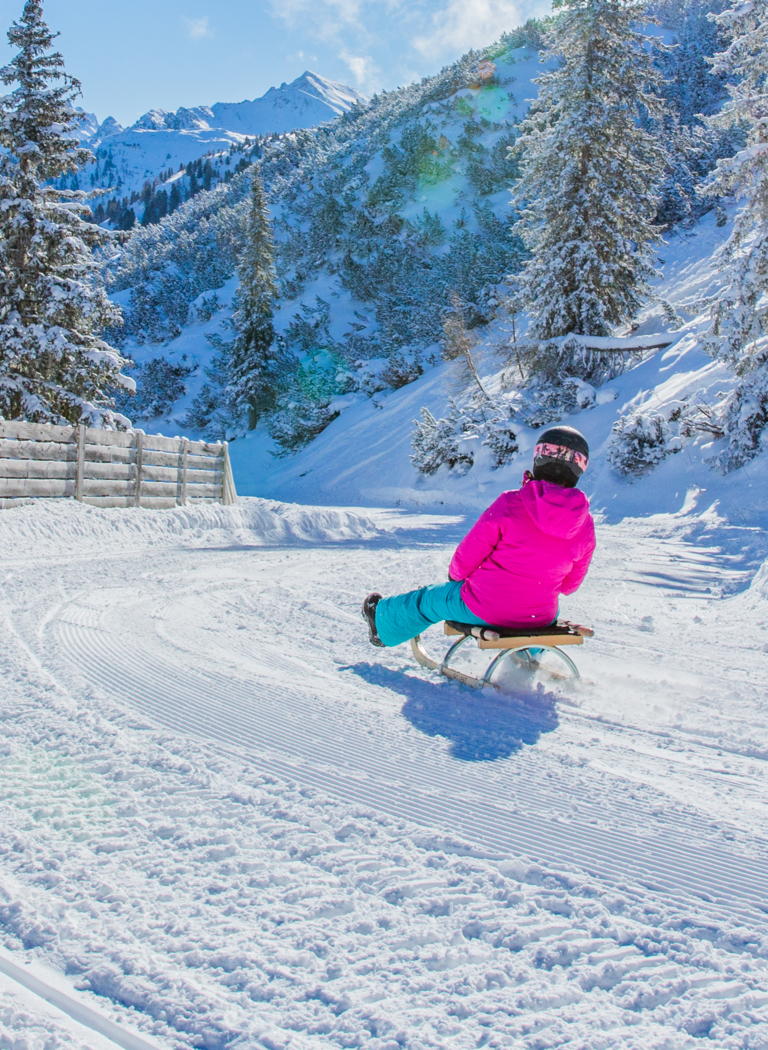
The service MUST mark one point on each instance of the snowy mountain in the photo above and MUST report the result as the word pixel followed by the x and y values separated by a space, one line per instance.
pixel 378 221
pixel 379 216
pixel 126 158
pixel 308 100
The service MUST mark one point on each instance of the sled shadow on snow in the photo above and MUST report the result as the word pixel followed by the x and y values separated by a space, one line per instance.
pixel 481 726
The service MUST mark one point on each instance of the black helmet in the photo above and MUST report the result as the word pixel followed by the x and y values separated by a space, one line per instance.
pixel 561 455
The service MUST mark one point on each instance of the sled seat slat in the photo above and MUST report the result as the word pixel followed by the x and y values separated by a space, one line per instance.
pixel 561 633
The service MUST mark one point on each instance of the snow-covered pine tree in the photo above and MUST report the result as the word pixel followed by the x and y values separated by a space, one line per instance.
pixel 690 90
pixel 252 359
pixel 54 365
pixel 739 332
pixel 590 173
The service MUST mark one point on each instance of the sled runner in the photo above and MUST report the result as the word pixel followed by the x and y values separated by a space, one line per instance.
pixel 522 646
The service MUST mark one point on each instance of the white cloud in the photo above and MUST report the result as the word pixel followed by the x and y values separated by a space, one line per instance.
pixel 198 28
pixel 463 24
pixel 331 18
pixel 329 14
pixel 364 69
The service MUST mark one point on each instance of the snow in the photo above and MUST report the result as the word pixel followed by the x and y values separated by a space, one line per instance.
pixel 47 985
pixel 27 1021
pixel 228 821
pixel 231 822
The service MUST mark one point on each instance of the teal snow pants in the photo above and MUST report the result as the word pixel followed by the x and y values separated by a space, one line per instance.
pixel 406 615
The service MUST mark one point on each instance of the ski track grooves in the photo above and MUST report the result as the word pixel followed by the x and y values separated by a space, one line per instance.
pixel 72 1007
pixel 268 725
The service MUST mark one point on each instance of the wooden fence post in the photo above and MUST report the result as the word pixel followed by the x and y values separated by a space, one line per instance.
pixel 184 444
pixel 139 458
pixel 80 462
pixel 228 491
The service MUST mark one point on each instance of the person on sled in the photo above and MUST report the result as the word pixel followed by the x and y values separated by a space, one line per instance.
pixel 529 547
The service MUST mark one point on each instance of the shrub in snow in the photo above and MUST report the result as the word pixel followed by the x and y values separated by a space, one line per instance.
pixel 402 369
pixel 744 413
pixel 205 308
pixel 500 439
pixel 443 442
pixel 310 326
pixel 207 414
pixel 55 367
pixel 297 422
pixel 159 383
pixel 588 192
pixel 641 440
pixel 307 405
pixel 697 417
pixel 368 377
pixel 739 334
pixel 435 443
pixel 547 400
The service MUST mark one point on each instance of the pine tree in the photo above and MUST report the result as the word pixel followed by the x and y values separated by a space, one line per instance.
pixel 245 373
pixel 590 172
pixel 690 90
pixel 252 363
pixel 739 334
pixel 127 219
pixel 54 365
pixel 151 213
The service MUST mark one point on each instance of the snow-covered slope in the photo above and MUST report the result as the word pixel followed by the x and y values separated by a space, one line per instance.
pixel 363 457
pixel 159 140
pixel 406 200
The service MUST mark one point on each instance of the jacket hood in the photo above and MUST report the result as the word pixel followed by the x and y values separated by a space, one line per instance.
pixel 555 510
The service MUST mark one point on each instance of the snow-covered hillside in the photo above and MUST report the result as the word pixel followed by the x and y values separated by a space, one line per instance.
pixel 363 457
pixel 380 223
pixel 377 220
pixel 126 158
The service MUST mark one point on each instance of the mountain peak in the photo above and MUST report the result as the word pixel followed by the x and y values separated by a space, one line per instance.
pixel 308 100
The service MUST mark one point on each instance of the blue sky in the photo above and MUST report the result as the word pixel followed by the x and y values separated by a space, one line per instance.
pixel 135 55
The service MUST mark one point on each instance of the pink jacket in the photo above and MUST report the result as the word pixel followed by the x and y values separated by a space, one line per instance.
pixel 528 548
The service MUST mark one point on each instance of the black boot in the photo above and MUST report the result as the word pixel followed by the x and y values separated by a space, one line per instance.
pixel 369 615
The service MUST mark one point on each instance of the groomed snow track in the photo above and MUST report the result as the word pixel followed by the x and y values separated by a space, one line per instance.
pixel 274 690
pixel 280 728
pixel 566 848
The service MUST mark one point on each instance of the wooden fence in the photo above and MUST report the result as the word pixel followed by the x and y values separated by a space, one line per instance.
pixel 109 468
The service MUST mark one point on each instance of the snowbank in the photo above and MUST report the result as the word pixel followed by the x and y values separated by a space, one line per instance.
pixel 65 527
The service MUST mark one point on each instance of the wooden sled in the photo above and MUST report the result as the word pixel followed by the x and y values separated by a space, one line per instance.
pixel 520 645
